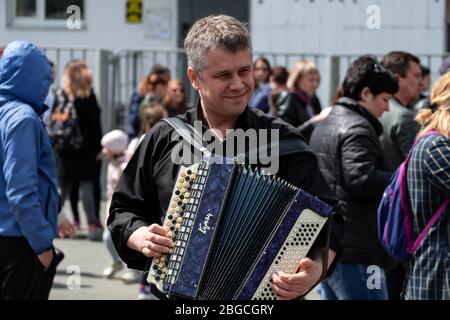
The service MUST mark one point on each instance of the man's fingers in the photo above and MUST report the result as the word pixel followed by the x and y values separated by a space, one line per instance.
pixel 280 283
pixel 66 229
pixel 71 232
pixel 149 253
pixel 155 247
pixel 305 264
pixel 283 294
pixel 288 282
pixel 156 228
pixel 290 286
pixel 161 240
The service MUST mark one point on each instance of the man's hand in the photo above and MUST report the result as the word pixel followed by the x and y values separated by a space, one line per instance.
pixel 290 286
pixel 46 258
pixel 151 241
pixel 66 229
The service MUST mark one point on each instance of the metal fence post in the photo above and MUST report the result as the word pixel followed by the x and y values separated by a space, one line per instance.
pixel 332 77
pixel 102 88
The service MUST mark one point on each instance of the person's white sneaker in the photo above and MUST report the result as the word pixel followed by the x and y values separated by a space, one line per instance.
pixel 110 271
pixel 131 276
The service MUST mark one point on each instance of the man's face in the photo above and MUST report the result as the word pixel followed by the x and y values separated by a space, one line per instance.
pixel 409 86
pixel 226 84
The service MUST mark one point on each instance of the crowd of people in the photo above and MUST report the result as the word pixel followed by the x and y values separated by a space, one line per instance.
pixel 381 108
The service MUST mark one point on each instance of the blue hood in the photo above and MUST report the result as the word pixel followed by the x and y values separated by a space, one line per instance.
pixel 25 74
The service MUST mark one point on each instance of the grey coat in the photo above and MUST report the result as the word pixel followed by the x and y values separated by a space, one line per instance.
pixel 399 132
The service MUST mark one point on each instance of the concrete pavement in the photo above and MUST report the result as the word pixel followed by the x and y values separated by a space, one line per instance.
pixel 79 276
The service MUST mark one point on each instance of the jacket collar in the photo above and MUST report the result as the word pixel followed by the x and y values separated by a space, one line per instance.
pixel 356 107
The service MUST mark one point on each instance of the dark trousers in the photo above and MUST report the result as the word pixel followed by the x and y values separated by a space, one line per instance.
pixel 395 279
pixel 22 276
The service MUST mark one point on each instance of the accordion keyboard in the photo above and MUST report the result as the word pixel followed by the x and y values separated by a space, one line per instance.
pixel 176 223
pixel 295 248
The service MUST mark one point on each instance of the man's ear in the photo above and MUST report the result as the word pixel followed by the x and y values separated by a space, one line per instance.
pixel 193 78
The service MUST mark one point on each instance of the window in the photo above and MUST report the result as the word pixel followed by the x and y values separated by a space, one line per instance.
pixel 26 8
pixel 41 13
pixel 57 9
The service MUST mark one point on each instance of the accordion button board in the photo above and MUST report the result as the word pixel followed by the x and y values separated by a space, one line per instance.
pixel 180 202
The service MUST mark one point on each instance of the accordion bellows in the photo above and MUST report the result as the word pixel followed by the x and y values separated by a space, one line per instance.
pixel 233 227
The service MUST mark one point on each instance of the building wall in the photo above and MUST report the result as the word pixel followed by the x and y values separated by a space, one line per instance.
pixel 314 29
pixel 105 27
pixel 322 27
pixel 340 26
pixel 306 26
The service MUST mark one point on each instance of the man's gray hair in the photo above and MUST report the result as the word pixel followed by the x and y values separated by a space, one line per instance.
pixel 220 31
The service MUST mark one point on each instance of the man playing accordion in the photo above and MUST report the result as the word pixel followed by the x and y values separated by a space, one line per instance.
pixel 220 68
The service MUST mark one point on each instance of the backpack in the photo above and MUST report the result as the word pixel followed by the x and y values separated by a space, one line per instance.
pixel 395 218
pixel 64 127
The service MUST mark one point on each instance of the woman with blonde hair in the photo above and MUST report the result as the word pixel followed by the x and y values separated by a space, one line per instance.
pixel 429 192
pixel 302 103
pixel 175 99
pixel 78 155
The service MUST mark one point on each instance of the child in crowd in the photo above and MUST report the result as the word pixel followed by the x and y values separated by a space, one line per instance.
pixel 149 117
pixel 114 145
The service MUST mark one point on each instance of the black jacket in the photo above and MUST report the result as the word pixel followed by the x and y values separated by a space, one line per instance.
pixel 293 111
pixel 144 190
pixel 82 164
pixel 349 153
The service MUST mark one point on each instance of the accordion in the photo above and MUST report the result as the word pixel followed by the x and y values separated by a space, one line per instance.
pixel 233 227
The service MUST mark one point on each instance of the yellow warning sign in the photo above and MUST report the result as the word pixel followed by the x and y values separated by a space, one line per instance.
pixel 134 11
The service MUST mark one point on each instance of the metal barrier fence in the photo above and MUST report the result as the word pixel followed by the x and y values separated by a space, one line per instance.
pixel 132 65
pixel 117 74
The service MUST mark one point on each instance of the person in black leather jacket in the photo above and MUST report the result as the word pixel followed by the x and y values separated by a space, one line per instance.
pixel 349 154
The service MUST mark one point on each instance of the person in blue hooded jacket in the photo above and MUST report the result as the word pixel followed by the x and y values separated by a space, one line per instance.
pixel 28 191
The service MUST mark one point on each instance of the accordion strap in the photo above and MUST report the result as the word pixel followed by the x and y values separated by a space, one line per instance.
pixel 286 147
pixel 187 132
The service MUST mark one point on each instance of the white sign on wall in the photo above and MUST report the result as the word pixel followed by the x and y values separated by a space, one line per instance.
pixel 158 23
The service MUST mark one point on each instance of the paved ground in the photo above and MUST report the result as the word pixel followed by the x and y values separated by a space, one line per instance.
pixel 79 276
